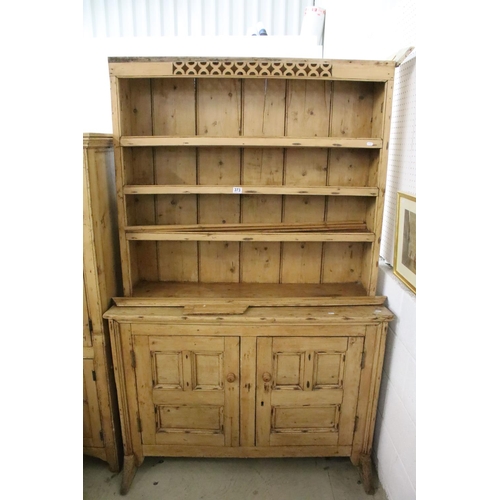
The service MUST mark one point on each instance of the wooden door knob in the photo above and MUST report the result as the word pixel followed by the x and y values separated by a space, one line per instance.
pixel 267 377
pixel 231 377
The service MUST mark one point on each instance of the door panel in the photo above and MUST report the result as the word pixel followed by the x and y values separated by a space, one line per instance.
pixel 307 390
pixel 91 416
pixel 87 337
pixel 188 390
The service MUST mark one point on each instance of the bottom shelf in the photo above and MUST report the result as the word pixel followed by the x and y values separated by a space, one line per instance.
pixel 217 295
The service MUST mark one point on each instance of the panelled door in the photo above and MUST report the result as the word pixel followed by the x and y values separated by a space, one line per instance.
pixel 92 437
pixel 188 389
pixel 91 417
pixel 87 336
pixel 307 389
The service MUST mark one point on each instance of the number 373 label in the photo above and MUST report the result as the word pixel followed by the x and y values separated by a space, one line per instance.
pixel 237 190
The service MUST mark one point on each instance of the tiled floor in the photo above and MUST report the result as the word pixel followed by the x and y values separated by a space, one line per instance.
pixel 230 479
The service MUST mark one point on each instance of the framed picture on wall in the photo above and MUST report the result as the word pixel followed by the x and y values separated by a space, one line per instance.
pixel 405 246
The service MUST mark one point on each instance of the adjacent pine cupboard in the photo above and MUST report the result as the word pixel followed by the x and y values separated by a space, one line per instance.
pixel 250 197
pixel 101 281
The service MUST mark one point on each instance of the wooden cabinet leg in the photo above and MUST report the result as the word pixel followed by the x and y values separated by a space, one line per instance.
pixel 114 466
pixel 366 472
pixel 129 470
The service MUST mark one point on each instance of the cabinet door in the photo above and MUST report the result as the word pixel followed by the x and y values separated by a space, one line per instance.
pixel 188 390
pixel 91 415
pixel 87 337
pixel 307 389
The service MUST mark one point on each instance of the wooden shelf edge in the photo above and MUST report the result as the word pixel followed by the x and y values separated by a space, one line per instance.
pixel 269 190
pixel 299 301
pixel 249 228
pixel 259 142
pixel 274 317
pixel 361 237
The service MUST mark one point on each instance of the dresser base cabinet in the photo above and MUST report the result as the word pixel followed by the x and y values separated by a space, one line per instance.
pixel 268 382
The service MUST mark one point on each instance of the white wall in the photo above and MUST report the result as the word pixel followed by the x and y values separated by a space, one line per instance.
pixel 395 432
pixel 395 436
pixel 402 161
pixel 155 18
pixel 364 29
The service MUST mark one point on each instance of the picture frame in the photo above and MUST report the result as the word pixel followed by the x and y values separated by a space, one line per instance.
pixel 405 244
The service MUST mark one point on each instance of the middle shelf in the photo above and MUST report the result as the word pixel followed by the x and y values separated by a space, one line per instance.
pixel 152 234
pixel 251 189
pixel 248 141
pixel 323 231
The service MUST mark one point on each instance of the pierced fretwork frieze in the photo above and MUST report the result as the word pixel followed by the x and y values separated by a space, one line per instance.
pixel 278 69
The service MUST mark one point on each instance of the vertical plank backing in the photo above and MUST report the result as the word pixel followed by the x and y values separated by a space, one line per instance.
pixel 263 107
pixel 174 113
pixel 129 274
pixel 347 208
pixel 259 170
pixel 137 120
pixel 302 261
pixel 174 107
pixel 307 115
pixel 308 108
pixel 352 109
pixel 373 176
pixel 342 262
pixel 350 167
pixel 263 116
pixel 382 104
pixel 178 260
pixel 369 263
pixel 219 114
pixel 351 116
pixel 219 107
pixel 141 211
pixel 260 261
pixel 346 262
pixel 358 110
pixel 219 260
pixel 135 104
